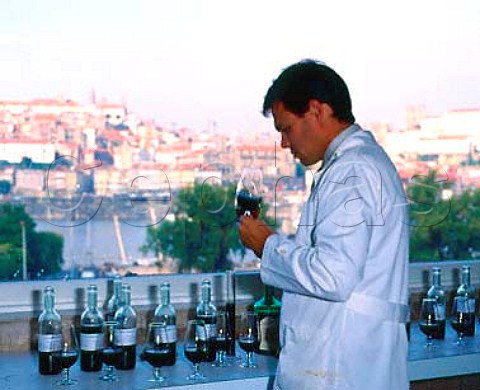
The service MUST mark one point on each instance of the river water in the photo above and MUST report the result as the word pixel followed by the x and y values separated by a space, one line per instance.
pixel 95 242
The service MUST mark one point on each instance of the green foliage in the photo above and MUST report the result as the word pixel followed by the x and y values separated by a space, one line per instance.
pixel 44 250
pixel 5 187
pixel 203 232
pixel 442 229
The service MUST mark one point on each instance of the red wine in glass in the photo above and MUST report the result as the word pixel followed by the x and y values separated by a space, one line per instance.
pixel 248 344
pixel 156 357
pixel 195 354
pixel 111 356
pixel 65 359
pixel 248 204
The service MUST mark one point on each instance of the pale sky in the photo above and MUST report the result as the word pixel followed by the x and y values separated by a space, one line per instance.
pixel 193 61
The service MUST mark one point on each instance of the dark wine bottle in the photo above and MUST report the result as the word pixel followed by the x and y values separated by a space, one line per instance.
pixel 91 333
pixel 437 292
pixel 49 335
pixel 114 301
pixel 207 312
pixel 230 313
pixel 267 310
pixel 125 335
pixel 165 313
pixel 466 290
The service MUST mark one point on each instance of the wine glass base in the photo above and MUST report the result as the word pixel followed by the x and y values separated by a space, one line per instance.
pixel 159 379
pixel 67 382
pixel 248 365
pixel 108 378
pixel 196 377
pixel 220 364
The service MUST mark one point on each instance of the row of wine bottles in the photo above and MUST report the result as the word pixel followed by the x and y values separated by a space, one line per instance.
pixel 464 290
pixel 119 309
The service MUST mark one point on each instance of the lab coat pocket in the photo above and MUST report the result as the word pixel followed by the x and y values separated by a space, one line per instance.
pixel 308 360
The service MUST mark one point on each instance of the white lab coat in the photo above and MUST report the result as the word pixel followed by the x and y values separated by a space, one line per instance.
pixel 345 275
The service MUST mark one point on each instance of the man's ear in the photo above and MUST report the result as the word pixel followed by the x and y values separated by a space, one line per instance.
pixel 317 108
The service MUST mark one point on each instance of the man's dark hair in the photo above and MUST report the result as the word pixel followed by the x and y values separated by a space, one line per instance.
pixel 307 80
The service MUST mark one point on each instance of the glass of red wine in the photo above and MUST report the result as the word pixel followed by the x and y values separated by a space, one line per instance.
pixel 463 317
pixel 195 347
pixel 429 323
pixel 248 337
pixel 221 340
pixel 111 354
pixel 68 355
pixel 155 352
pixel 248 196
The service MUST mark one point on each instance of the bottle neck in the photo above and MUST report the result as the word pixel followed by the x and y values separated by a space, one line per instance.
pixel 49 301
pixel 117 289
pixel 206 293
pixel 230 281
pixel 92 298
pixel 437 279
pixel 466 277
pixel 268 295
pixel 165 294
pixel 126 296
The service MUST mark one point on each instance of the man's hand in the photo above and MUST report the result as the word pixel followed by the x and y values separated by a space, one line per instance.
pixel 253 233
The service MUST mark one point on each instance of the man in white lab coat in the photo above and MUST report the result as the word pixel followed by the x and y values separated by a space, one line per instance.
pixel 345 273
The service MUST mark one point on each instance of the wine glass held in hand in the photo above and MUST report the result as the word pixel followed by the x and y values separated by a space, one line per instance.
pixel 429 323
pixel 248 337
pixel 68 355
pixel 155 351
pixel 249 193
pixel 111 354
pixel 463 317
pixel 195 347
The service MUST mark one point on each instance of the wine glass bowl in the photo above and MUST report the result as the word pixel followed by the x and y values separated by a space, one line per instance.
pixel 249 193
pixel 248 338
pixel 111 354
pixel 68 355
pixel 195 347
pixel 429 323
pixel 156 351
pixel 463 317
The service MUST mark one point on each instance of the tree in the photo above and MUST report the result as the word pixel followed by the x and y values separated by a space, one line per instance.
pixel 442 229
pixel 5 187
pixel 44 250
pixel 203 232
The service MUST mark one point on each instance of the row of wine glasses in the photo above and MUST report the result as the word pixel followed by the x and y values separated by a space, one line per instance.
pixel 196 348
pixel 155 352
pixel 462 319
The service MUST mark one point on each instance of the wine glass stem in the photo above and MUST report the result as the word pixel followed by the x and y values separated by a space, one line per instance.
pixel 156 374
pixel 66 375
pixel 196 368
pixel 249 358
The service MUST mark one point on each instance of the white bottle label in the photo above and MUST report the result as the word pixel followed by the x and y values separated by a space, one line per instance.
pixel 201 332
pixel 167 335
pixel 91 342
pixel 49 342
pixel 471 305
pixel 125 337
pixel 440 314
pixel 211 330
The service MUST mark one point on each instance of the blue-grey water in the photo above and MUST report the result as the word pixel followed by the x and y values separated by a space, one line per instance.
pixel 95 242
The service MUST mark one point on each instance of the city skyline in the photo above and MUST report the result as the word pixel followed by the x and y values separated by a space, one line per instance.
pixel 169 61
